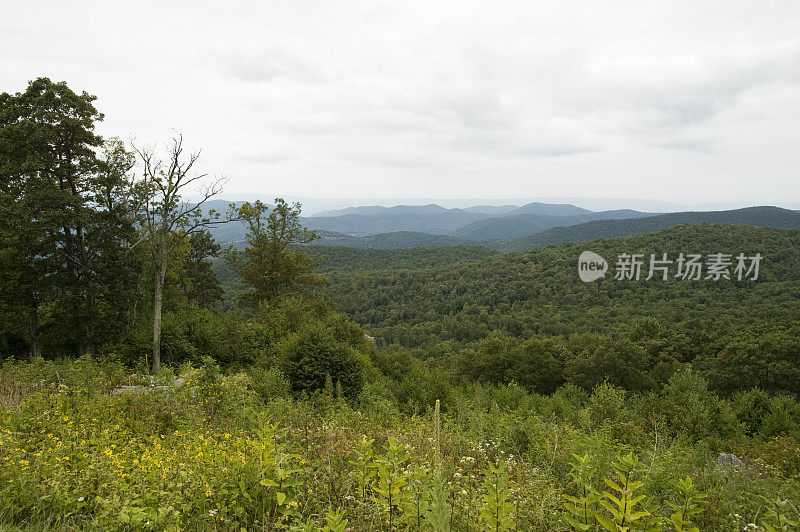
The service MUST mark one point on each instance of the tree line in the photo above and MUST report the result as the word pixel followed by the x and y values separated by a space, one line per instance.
pixel 98 237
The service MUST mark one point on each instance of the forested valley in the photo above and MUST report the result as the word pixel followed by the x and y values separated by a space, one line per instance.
pixel 155 378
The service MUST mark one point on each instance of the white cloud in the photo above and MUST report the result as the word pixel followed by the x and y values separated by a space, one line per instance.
pixel 363 98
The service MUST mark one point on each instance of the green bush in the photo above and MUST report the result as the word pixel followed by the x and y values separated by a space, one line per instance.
pixel 783 418
pixel 690 408
pixel 314 352
pixel 423 385
pixel 269 382
pixel 751 407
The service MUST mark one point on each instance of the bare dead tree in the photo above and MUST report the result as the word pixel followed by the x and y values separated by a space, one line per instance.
pixel 166 219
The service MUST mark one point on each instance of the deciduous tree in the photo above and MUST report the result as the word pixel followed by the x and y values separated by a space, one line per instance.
pixel 269 265
pixel 166 218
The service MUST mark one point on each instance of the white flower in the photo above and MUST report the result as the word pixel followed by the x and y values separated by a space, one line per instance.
pixel 212 513
pixel 80 499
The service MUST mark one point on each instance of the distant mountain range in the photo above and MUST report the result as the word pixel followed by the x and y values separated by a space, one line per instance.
pixel 498 222
pixel 506 227
pixel 425 218
pixel 517 225
pixel 752 216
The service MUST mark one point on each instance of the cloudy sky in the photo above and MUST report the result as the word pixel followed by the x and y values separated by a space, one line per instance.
pixel 681 101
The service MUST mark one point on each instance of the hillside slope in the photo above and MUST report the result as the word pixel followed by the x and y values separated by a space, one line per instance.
pixel 518 225
pixel 394 240
pixel 539 292
pixel 340 259
pixel 752 216
pixel 434 220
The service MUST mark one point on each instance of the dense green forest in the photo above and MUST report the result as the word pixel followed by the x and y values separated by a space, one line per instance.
pixel 335 259
pixel 539 292
pixel 484 308
pixel 393 240
pixel 154 378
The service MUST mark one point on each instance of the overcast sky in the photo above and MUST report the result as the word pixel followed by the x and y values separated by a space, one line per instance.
pixel 681 101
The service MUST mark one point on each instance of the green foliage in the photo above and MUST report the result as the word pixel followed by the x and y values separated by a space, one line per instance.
pixel 269 266
pixel 187 335
pixel 316 351
pixel 607 407
pixel 390 479
pixel 198 280
pixel 762 356
pixel 269 382
pixel 780 515
pixel 66 222
pixel 751 407
pixel 624 496
pixel 77 452
pixel 535 364
pixel 598 359
pixel 422 385
pixel 582 507
pixel 687 505
pixel 335 521
pixel 640 333
pixel 497 511
pixel 689 407
pixel 338 259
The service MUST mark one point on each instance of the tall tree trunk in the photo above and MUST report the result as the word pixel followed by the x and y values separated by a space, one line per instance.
pixel 90 327
pixel 158 292
pixel 90 345
pixel 6 349
pixel 132 313
pixel 33 334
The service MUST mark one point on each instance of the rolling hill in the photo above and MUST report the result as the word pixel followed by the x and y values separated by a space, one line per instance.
pixel 539 292
pixel 432 219
pixel 339 259
pixel 394 240
pixel 550 209
pixel 493 222
pixel 753 216
pixel 512 226
pixel 505 228
pixel 494 210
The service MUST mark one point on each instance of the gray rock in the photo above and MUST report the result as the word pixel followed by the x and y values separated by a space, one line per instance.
pixel 152 388
pixel 728 462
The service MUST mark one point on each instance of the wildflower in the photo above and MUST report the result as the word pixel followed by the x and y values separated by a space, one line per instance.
pixel 212 513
